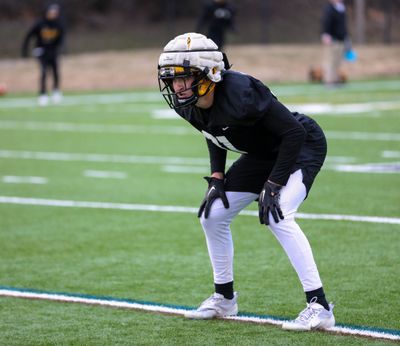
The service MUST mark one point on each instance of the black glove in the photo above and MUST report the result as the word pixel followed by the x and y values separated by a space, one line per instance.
pixel 268 201
pixel 215 190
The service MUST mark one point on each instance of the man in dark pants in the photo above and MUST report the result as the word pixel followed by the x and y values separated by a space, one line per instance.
pixel 282 152
pixel 219 16
pixel 48 33
pixel 333 37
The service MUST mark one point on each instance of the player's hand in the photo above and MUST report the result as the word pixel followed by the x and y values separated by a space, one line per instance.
pixel 268 202
pixel 215 190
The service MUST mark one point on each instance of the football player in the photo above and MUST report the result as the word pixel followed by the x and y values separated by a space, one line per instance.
pixel 281 154
pixel 48 34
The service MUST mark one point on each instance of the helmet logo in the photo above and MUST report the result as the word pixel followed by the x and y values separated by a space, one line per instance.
pixel 188 42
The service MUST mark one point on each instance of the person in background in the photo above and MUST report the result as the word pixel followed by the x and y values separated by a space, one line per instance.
pixel 48 33
pixel 334 36
pixel 219 16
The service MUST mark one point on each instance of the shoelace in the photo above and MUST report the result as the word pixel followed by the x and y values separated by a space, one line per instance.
pixel 210 301
pixel 308 312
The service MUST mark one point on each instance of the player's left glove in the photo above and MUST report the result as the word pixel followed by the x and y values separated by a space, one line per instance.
pixel 215 190
pixel 268 202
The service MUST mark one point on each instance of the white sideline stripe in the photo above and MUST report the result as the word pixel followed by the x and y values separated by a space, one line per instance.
pixel 176 311
pixel 12 179
pixel 104 174
pixel 178 209
pixel 164 130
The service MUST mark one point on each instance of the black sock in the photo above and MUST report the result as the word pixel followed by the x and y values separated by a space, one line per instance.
pixel 225 289
pixel 320 295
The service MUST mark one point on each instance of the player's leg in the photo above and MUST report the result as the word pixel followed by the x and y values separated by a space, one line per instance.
pixel 318 313
pixel 57 95
pixel 243 182
pixel 43 98
pixel 220 249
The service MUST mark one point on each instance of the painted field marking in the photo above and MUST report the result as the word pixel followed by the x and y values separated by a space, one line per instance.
pixel 179 209
pixel 77 157
pixel 376 167
pixel 185 169
pixel 391 154
pixel 104 174
pixel 12 179
pixel 181 164
pixel 313 109
pixel 377 333
pixel 94 128
pixel 155 96
pixel 88 99
pixel 165 130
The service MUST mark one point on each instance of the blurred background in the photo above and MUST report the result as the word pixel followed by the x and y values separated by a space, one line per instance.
pixel 133 32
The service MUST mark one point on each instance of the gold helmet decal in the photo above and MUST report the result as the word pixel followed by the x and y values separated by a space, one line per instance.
pixel 188 41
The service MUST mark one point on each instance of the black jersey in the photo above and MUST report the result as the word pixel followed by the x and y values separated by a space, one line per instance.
pixel 48 35
pixel 247 118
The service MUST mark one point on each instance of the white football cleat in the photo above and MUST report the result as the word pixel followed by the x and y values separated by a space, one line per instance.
pixel 43 100
pixel 314 316
pixel 56 97
pixel 214 307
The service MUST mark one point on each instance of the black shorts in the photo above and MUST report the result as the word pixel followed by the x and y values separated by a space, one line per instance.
pixel 249 173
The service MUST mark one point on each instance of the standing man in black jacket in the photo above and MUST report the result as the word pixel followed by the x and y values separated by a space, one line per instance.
pixel 48 34
pixel 281 154
pixel 334 35
pixel 219 16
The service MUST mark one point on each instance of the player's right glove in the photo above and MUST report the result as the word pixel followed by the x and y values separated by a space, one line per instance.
pixel 268 202
pixel 215 190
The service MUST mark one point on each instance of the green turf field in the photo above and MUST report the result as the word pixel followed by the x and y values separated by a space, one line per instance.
pixel 127 148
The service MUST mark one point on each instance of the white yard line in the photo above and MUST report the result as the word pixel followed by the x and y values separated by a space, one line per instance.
pixel 104 174
pixel 77 157
pixel 180 311
pixel 171 164
pixel 12 179
pixel 376 167
pixel 178 209
pixel 391 154
pixel 89 99
pixel 94 128
pixel 165 130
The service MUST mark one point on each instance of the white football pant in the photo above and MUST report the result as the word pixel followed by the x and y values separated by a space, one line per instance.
pixel 219 238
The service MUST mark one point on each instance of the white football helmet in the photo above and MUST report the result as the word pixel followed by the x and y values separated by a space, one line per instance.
pixel 190 54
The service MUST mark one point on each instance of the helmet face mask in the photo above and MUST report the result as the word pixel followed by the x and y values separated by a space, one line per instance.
pixel 200 85
pixel 189 55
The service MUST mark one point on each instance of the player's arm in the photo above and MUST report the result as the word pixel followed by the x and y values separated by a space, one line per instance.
pixel 280 122
pixel 25 44
pixel 215 181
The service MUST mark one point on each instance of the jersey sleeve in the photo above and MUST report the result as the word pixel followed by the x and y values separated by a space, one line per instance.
pixel 280 122
pixel 217 157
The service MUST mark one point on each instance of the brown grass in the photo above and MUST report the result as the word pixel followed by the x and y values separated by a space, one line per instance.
pixel 138 69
